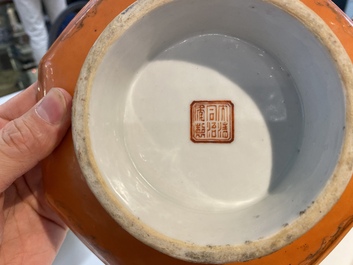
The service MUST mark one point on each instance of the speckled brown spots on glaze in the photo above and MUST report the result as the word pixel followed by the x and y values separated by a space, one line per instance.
pixel 262 247
pixel 302 212
pixel 319 3
pixel 339 16
pixel 326 242
pixel 61 175
pixel 90 10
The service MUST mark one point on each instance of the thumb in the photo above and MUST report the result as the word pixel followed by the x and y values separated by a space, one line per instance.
pixel 33 136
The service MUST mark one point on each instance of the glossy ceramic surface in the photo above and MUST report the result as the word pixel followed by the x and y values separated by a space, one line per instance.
pixel 70 196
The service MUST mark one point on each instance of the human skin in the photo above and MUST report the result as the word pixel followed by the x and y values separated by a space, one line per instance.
pixel 30 232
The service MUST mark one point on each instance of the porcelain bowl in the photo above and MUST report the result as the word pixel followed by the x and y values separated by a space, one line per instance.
pixel 215 131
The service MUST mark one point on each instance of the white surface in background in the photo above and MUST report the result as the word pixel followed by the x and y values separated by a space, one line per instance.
pixel 343 253
pixel 74 252
pixel 7 97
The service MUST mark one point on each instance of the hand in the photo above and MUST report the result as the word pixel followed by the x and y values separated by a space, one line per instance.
pixel 30 232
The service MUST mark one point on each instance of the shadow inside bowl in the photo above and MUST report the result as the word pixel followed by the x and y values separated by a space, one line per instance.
pixel 289 119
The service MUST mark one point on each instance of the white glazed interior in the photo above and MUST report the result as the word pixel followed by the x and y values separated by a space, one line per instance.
pixel 133 116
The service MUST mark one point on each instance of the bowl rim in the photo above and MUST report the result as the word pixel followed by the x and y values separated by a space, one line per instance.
pixel 218 254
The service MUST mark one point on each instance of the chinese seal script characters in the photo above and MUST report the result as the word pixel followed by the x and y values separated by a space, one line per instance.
pixel 212 121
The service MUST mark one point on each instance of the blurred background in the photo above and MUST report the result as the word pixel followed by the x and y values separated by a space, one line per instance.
pixel 27 29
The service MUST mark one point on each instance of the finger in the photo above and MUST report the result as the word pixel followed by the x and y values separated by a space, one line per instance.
pixel 20 104
pixel 30 138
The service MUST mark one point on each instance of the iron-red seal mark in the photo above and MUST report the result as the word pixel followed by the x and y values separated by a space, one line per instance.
pixel 212 121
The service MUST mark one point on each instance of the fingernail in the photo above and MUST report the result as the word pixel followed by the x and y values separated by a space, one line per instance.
pixel 52 108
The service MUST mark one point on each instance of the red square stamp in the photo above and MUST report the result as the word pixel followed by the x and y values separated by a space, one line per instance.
pixel 212 121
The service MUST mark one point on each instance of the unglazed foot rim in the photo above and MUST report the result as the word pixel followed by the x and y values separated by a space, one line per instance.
pixel 191 251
